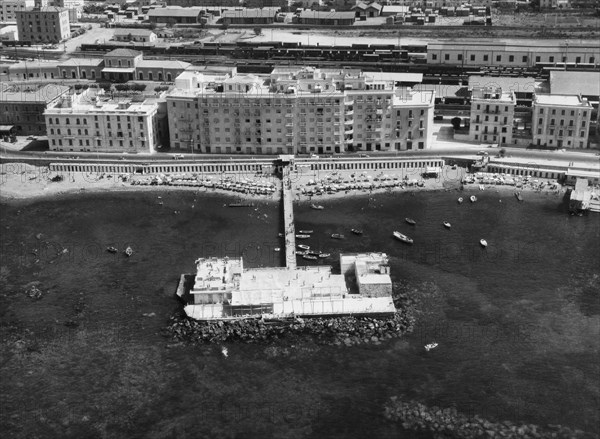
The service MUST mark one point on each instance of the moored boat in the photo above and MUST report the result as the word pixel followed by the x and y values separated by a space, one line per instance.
pixel 447 224
pixel 305 232
pixel 473 198
pixel 403 237
pixel 337 236
pixel 309 257
pixel 111 249
pixel 316 207
pixel 410 221
pixel 519 196
pixel 302 236
pixel 357 232
pixel 431 346
pixel 304 247
pixel 483 242
pixel 276 249
pixel 128 251
pixel 460 200
pixel 324 255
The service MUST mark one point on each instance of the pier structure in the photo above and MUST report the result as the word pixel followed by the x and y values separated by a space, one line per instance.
pixel 288 218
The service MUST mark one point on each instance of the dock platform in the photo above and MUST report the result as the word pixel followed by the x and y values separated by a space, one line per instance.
pixel 288 219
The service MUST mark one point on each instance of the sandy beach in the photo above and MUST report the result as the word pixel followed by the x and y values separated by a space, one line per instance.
pixel 20 181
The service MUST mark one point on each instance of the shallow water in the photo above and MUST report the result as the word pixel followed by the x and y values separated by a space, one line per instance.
pixel 516 323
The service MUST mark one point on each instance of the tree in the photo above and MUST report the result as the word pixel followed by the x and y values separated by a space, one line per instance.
pixel 502 152
pixel 455 122
pixel 257 31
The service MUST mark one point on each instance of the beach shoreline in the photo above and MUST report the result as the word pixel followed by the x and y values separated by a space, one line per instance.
pixel 33 183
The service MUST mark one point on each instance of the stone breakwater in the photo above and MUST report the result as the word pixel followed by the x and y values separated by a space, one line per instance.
pixel 449 423
pixel 344 330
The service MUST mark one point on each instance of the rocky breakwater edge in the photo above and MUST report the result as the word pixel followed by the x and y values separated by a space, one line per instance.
pixel 337 330
pixel 449 423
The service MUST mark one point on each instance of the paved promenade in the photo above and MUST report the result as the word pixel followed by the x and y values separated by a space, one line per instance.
pixel 288 220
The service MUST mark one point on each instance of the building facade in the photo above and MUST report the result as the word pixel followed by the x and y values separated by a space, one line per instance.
pixel 296 110
pixel 492 115
pixel 91 122
pixel 175 14
pixel 44 25
pixel 561 121
pixel 9 8
pixel 135 35
pixel 24 109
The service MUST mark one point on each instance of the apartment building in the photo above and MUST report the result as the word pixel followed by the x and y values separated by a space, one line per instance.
pixel 561 121
pixel 44 25
pixel 23 107
pixel 492 115
pixel 296 110
pixel 91 122
pixel 9 8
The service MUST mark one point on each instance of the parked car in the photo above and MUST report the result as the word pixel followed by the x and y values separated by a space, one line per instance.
pixel 178 156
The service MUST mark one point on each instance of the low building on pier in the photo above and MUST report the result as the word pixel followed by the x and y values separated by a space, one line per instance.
pixel 223 289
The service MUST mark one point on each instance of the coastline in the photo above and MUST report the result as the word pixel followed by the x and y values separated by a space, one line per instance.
pixel 35 183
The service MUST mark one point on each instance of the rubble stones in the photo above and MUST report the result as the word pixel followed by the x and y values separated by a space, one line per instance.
pixel 449 423
pixel 347 330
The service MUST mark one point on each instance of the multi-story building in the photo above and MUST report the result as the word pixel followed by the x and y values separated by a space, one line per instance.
pixel 91 122
pixel 24 108
pixel 492 115
pixel 9 8
pixel 75 8
pixel 561 121
pixel 297 110
pixel 135 35
pixel 44 25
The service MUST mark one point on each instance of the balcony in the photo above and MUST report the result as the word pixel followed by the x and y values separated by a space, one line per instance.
pixel 349 131
pixel 289 134
pixel 349 112
pixel 289 114
pixel 289 125
pixel 349 122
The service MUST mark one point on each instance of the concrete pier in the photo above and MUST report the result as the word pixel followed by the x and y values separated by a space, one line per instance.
pixel 288 219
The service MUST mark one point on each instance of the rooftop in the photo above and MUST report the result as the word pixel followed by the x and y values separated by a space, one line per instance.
pixel 74 62
pixel 143 32
pixel 123 52
pixel 92 101
pixel 43 94
pixel 175 11
pixel 250 13
pixel 572 83
pixel 327 15
pixel 507 83
pixel 562 100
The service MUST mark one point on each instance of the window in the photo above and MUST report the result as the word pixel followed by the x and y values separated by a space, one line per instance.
pixel 541 111
pixel 434 56
pixel 550 59
pixel 538 59
pixel 472 57
pixel 499 58
pixel 525 59
pixel 459 57
pixel 447 57
pixel 486 57
pixel 511 58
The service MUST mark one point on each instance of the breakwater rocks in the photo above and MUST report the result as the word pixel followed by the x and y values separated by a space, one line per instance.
pixel 449 423
pixel 346 330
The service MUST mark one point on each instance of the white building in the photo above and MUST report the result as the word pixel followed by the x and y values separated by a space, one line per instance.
pixel 297 110
pixel 223 289
pixel 95 123
pixel 561 121
pixel 492 115
pixel 44 25
pixel 9 8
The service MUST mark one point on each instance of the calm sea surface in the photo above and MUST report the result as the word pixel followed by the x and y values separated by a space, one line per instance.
pixel 517 323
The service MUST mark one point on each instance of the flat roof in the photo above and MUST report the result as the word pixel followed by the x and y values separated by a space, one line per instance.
pixel 126 31
pixel 572 83
pixel 118 69
pixel 73 62
pixel 396 77
pixel 148 63
pixel 175 12
pixel 328 15
pixel 567 100
pixel 43 94
pixel 123 52
pixel 444 90
pixel 518 85
pixel 250 13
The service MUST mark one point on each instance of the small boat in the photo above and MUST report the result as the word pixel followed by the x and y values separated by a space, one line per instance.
pixel 225 352
pixel 316 207
pixel 303 247
pixel 460 200
pixel 111 249
pixel 519 196
pixel 410 221
pixel 483 242
pixel 337 236
pixel 403 238
pixel 302 236
pixel 447 224
pixel 431 346
pixel 305 232
pixel 276 249
pixel 309 257
pixel 324 255
pixel 281 235
pixel 473 198
pixel 357 232
pixel 128 251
